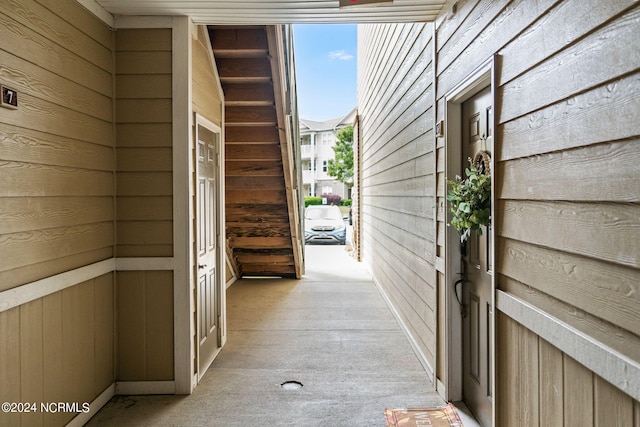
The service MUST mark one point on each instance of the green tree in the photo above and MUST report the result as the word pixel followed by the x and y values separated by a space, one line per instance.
pixel 341 167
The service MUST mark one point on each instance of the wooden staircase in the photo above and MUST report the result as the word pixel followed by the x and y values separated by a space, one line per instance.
pixel 262 222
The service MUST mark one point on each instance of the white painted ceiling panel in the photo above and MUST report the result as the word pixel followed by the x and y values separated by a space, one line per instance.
pixel 277 11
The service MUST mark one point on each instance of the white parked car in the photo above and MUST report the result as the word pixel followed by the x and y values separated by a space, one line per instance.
pixel 324 224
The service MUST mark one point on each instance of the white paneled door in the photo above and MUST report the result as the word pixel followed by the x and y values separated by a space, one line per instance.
pixel 208 290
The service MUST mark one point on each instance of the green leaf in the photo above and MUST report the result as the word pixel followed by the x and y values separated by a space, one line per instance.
pixel 470 201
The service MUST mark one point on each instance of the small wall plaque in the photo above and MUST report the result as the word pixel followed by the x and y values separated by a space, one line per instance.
pixel 9 98
pixel 440 128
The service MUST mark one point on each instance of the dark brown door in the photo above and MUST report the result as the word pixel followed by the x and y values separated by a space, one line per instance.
pixel 477 134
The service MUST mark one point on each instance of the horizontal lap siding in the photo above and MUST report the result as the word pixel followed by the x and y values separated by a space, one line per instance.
pixel 57 166
pixel 568 203
pixel 206 89
pixel 56 149
pixel 397 178
pixel 144 153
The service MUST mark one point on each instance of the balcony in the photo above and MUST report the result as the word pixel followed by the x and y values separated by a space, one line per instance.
pixel 307 151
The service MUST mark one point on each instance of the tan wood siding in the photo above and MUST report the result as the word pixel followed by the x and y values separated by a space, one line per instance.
pixel 30 248
pixel 206 90
pixel 30 146
pixel 145 319
pixel 60 47
pixel 57 149
pixel 59 348
pixel 398 176
pixel 540 385
pixel 144 153
pixel 567 215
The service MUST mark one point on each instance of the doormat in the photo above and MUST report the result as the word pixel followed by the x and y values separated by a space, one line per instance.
pixel 443 416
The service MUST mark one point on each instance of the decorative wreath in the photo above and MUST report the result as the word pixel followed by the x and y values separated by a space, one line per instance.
pixel 482 162
pixel 470 198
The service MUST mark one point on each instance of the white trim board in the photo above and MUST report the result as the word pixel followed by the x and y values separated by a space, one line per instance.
pixel 98 11
pixel 125 21
pixel 478 79
pixel 183 191
pixel 24 294
pixel 97 404
pixel 40 288
pixel 122 388
pixel 614 367
pixel 144 387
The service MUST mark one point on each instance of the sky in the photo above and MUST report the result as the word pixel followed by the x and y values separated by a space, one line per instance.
pixel 325 58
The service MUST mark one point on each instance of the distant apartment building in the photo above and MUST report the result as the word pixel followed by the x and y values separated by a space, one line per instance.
pixel 317 141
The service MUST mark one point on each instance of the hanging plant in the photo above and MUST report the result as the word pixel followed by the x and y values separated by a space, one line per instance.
pixel 470 199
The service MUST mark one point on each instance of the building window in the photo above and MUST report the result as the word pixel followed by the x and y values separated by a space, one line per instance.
pixel 327 138
pixel 325 165
pixel 327 189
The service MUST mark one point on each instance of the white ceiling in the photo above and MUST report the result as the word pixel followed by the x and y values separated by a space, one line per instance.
pixel 277 11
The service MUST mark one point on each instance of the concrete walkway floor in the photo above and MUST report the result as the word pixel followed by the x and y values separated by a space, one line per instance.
pixel 330 331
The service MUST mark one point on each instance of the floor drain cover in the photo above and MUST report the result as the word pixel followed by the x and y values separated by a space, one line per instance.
pixel 291 385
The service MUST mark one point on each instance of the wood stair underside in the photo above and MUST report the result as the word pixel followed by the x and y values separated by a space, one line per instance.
pixel 257 217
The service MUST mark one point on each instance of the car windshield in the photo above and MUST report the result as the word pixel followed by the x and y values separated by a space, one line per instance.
pixel 323 212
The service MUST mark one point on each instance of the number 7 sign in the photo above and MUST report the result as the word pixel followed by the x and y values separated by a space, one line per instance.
pixel 9 98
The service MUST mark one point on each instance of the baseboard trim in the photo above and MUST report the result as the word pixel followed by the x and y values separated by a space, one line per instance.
pixel 412 341
pixel 441 389
pixel 122 388
pixel 97 404
pixel 145 387
pixel 230 282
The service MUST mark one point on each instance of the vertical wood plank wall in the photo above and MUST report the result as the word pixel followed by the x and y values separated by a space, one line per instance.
pixel 144 202
pixel 145 326
pixel 58 349
pixel 568 213
pixel 57 166
pixel 395 108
